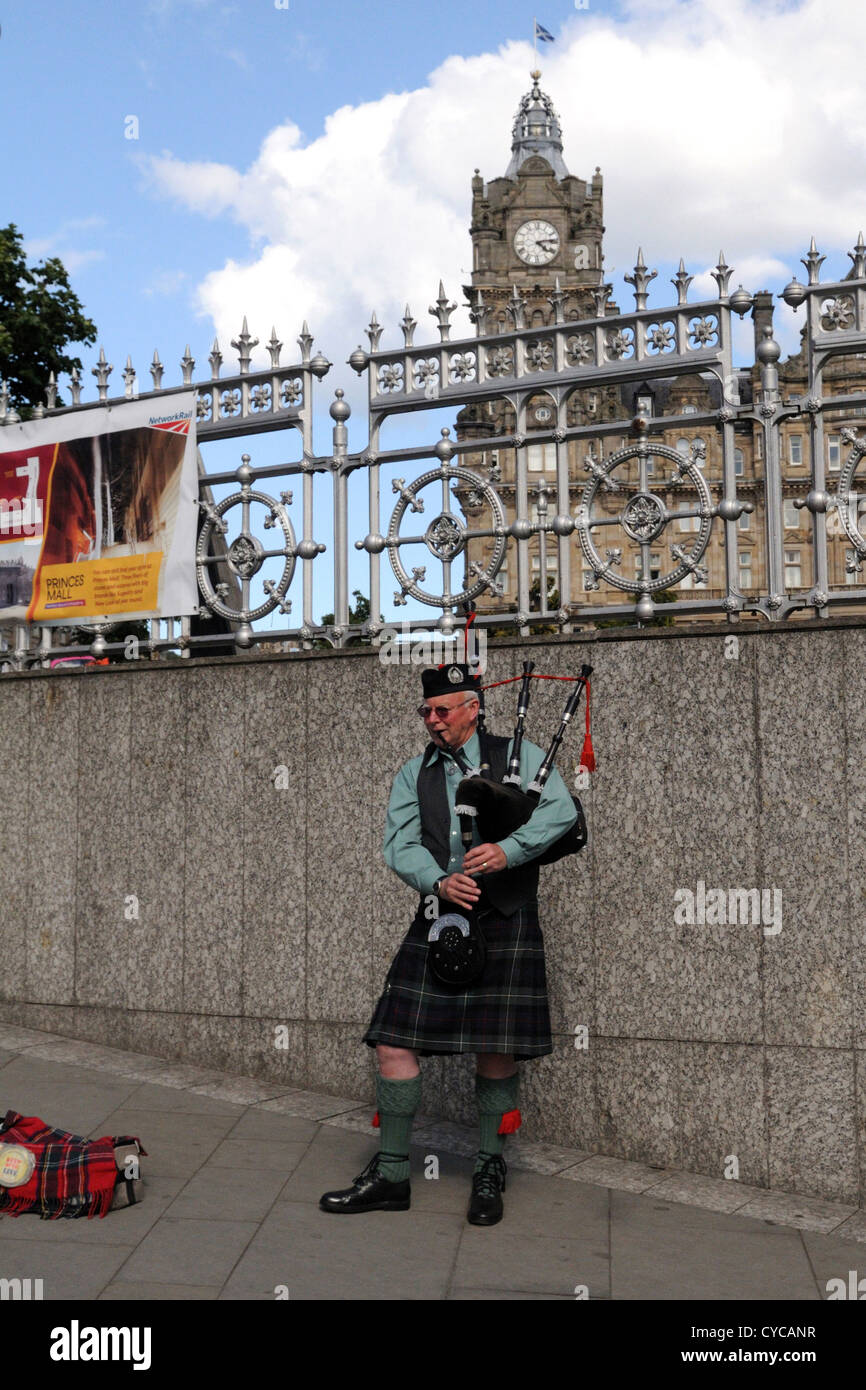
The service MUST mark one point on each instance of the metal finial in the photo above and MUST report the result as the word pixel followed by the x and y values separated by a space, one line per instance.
pixel 601 294
pixel 722 275
pixel 187 366
pixel 243 345
pixel 75 381
pixel 408 325
pixel 102 371
pixel 858 257
pixel 813 262
pixel 275 347
pixel 681 282
pixel 156 370
pixel 128 378
pixel 374 332
pixel 640 279
pixel 215 358
pixel 442 311
pixel 741 301
pixel 478 311
pixel 4 401
pixel 51 392
pixel 516 307
pixel 556 300
pixel 305 342
pixel 319 365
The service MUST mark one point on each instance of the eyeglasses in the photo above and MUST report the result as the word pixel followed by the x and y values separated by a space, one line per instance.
pixel 441 711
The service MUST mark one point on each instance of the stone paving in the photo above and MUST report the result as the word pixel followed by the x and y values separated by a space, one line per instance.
pixel 235 1168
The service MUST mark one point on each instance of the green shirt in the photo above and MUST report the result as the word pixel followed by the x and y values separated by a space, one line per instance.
pixel 404 852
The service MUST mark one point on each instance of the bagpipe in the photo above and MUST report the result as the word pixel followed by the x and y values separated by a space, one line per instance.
pixel 500 808
pixel 457 947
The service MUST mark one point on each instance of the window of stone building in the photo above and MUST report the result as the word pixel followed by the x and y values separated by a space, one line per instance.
pixel 541 458
pixel 587 578
pixel 535 570
pixel 689 410
pixel 655 565
pixel 793 570
pixel 644 405
pixel 759 446
pixel 791 515
pixel 834 452
pixel 745 569
pixel 682 446
pixel 795 450
pixel 699 439
pixel 689 523
pixel 743 521
pixel 691 582
pixel 739 463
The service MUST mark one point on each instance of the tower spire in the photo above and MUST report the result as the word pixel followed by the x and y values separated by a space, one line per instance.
pixel 536 130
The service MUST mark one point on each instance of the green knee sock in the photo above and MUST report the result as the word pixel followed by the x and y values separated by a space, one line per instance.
pixel 495 1099
pixel 397 1102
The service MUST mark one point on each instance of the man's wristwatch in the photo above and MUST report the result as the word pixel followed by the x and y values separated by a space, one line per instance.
pixel 437 884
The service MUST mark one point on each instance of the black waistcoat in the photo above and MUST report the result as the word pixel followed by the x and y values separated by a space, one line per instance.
pixel 507 890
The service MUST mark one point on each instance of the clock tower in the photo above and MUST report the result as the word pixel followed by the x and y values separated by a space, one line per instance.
pixel 535 224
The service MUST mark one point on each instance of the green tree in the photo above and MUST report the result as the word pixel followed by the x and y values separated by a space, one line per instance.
pixel 40 315
pixel 118 632
pixel 358 615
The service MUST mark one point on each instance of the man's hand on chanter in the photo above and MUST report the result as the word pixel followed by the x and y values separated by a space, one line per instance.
pixel 460 889
pixel 484 859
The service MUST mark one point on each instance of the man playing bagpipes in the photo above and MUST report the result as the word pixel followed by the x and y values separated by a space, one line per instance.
pixel 469 975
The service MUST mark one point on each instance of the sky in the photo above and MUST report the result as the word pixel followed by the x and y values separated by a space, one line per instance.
pixel 195 161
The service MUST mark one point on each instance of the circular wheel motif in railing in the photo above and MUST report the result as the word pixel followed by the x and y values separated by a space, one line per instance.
pixel 845 495
pixel 245 555
pixel 446 536
pixel 644 515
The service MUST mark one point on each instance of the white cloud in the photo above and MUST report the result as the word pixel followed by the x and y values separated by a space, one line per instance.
pixel 718 123
pixel 166 282
pixel 59 243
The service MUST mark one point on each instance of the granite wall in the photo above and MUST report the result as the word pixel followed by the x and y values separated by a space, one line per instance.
pixel 191 859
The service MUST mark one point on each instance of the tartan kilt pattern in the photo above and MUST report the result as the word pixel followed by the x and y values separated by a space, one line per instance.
pixel 505 1011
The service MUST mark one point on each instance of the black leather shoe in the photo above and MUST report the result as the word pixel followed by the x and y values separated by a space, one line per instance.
pixel 485 1206
pixel 370 1192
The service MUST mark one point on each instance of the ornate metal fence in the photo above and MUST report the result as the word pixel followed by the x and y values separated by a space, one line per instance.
pixel 452 503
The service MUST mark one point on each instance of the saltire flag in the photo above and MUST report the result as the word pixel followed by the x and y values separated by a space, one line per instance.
pixel 543 34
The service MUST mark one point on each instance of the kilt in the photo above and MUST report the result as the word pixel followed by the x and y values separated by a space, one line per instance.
pixel 505 1011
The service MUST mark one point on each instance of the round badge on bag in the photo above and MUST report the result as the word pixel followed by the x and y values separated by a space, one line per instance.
pixel 456 949
pixel 16 1165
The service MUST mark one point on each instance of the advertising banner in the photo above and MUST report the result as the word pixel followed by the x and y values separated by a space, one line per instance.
pixel 98 514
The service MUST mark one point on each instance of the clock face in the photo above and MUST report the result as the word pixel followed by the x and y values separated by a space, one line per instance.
pixel 536 242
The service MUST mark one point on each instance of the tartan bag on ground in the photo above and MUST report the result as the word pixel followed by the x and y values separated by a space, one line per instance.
pixel 58 1174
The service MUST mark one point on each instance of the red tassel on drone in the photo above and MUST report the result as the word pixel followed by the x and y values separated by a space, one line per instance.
pixel 510 1122
pixel 587 756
